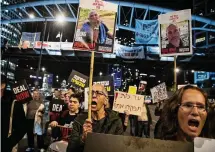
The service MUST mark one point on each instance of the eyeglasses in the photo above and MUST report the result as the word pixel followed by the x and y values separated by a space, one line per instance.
pixel 98 93
pixel 188 107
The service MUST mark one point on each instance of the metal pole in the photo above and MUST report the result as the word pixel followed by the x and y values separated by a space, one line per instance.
pixel 39 63
pixel 175 75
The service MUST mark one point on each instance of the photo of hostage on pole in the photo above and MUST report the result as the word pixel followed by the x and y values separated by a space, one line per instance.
pixel 175 33
pixel 95 27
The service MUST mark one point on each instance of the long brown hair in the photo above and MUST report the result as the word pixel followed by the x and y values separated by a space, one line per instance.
pixel 169 120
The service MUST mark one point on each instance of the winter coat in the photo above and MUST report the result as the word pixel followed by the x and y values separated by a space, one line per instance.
pixel 18 123
pixel 112 125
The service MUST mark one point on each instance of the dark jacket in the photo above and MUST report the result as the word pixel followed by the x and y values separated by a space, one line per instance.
pixel 112 125
pixel 18 123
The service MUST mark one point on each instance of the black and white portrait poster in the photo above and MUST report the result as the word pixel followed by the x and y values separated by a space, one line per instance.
pixel 159 93
pixel 175 33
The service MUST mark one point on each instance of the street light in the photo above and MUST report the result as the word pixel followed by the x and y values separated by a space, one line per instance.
pixel 60 18
pixel 43 69
pixel 100 73
pixel 192 71
pixel 31 15
pixel 177 70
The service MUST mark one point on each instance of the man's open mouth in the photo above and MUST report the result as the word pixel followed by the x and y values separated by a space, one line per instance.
pixel 193 123
pixel 93 103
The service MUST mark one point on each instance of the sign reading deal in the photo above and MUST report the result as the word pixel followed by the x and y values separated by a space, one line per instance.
pixel 107 82
pixel 128 102
pixel 21 91
pixel 78 79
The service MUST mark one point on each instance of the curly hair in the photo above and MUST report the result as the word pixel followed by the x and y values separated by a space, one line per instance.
pixel 169 120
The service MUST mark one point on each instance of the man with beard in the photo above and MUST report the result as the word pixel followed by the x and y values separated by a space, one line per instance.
pixel 96 31
pixel 173 35
pixel 103 120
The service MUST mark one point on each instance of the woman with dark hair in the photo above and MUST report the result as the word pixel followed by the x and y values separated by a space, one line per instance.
pixel 184 115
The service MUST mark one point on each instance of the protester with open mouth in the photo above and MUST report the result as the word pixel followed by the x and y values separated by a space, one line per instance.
pixel 103 120
pixel 184 115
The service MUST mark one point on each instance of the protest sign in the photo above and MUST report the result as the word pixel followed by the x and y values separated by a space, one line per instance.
pixel 27 40
pixel 142 86
pixel 148 99
pixel 95 28
pixel 21 91
pixel 204 144
pixel 175 33
pixel 78 80
pixel 132 103
pixel 159 92
pixel 146 31
pixel 132 90
pixel 183 85
pixel 126 52
pixel 107 82
pixel 119 143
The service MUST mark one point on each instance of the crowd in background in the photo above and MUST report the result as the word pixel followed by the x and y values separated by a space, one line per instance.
pixel 61 118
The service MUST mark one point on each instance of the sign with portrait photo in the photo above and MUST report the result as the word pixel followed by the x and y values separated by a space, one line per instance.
pixel 78 79
pixel 159 93
pixel 21 92
pixel 175 33
pixel 95 28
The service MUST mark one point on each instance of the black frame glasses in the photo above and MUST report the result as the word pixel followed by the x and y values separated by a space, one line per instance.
pixel 98 93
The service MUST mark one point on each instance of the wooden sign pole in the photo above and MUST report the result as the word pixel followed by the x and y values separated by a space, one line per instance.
pixel 175 74
pixel 90 84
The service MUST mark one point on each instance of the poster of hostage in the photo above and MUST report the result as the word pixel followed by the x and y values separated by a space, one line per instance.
pixel 175 33
pixel 95 28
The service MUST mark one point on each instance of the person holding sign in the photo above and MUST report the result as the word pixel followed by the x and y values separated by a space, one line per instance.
pixel 67 118
pixel 95 30
pixel 184 115
pixel 103 120
pixel 11 131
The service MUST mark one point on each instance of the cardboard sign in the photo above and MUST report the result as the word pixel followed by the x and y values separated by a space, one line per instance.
pixel 78 80
pixel 132 103
pixel 107 82
pixel 95 28
pixel 183 85
pixel 21 91
pixel 118 143
pixel 204 145
pixel 175 33
pixel 159 92
pixel 132 90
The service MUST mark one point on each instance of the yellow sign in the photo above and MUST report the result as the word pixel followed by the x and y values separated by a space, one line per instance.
pixel 132 90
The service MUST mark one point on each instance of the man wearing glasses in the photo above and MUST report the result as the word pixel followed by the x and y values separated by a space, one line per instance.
pixel 103 120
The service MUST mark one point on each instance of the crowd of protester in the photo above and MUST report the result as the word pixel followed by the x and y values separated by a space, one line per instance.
pixel 185 115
